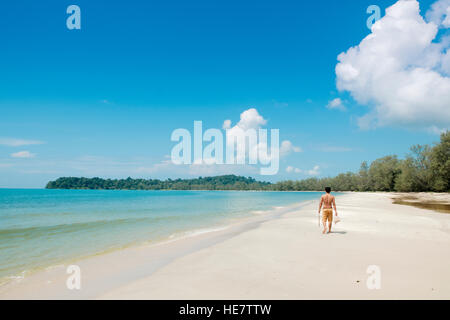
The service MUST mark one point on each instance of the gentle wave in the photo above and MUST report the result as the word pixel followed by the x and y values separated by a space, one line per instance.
pixel 74 227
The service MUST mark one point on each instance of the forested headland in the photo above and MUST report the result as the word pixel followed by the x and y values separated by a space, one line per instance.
pixel 425 168
pixel 227 182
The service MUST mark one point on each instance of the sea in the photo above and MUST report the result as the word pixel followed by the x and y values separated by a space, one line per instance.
pixel 41 228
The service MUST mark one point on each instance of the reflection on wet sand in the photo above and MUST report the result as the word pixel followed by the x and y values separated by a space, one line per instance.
pixel 439 205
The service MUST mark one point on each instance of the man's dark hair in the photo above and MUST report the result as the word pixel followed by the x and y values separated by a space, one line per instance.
pixel 327 189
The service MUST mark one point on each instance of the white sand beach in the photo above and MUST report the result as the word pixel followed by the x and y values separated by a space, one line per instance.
pixel 284 256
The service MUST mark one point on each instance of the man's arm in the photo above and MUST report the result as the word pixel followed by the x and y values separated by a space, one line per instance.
pixel 334 205
pixel 320 205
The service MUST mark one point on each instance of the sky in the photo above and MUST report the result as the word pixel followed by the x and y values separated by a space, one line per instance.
pixel 104 100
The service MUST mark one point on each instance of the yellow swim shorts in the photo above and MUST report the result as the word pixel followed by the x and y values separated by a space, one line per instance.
pixel 327 214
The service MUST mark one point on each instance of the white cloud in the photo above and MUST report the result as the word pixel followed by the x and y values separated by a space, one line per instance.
pixel 446 22
pixel 287 147
pixel 12 142
pixel 398 71
pixel 440 13
pixel 314 171
pixel 23 154
pixel 251 119
pixel 226 124
pixel 246 142
pixel 336 104
pixel 291 169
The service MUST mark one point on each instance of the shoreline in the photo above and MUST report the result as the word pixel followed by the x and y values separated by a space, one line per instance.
pixel 278 256
pixel 197 238
pixel 207 216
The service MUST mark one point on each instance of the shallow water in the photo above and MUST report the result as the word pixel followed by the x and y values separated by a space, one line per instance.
pixel 40 228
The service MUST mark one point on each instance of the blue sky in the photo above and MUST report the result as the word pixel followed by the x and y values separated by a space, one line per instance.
pixel 104 100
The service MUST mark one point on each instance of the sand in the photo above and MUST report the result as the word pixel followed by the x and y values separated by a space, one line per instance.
pixel 281 256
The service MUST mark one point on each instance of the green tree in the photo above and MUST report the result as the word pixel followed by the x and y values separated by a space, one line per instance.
pixel 416 173
pixel 364 181
pixel 383 172
pixel 440 163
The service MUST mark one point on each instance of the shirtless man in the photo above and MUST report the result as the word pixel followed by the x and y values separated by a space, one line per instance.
pixel 328 203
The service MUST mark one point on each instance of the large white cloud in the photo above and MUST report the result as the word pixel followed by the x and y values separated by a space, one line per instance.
pixel 250 119
pixel 399 70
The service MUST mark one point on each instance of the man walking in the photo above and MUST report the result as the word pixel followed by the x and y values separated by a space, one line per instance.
pixel 328 202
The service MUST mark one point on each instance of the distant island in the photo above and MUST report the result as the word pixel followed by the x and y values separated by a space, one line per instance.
pixel 227 182
pixel 426 168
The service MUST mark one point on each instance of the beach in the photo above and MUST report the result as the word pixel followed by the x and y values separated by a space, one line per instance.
pixel 276 255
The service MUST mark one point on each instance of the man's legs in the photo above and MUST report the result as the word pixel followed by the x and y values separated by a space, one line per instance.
pixel 326 217
pixel 330 222
pixel 324 221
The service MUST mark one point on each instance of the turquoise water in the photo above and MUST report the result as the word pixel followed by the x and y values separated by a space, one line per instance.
pixel 40 228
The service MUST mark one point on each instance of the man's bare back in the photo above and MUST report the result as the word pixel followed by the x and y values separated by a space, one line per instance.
pixel 327 201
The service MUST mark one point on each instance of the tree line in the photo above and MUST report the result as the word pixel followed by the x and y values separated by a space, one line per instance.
pixel 226 182
pixel 425 168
